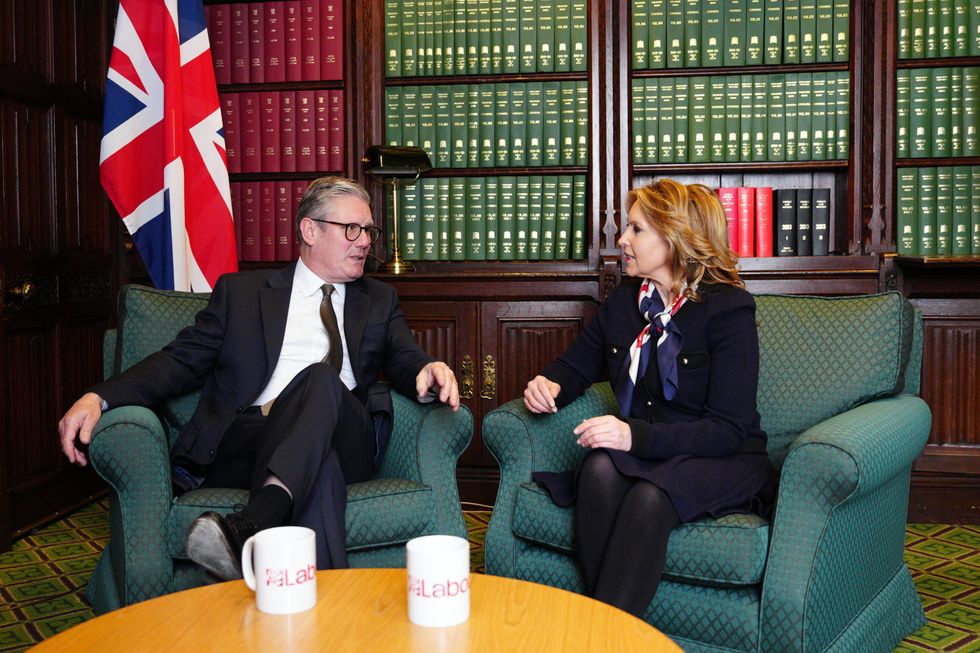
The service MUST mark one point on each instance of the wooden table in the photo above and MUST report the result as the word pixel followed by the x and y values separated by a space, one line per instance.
pixel 364 610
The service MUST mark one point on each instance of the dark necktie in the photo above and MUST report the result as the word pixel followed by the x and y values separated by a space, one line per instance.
pixel 335 348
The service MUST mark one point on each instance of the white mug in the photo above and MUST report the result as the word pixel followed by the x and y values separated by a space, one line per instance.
pixel 279 565
pixel 438 580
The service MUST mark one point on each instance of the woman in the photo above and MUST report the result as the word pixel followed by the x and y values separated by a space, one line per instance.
pixel 680 345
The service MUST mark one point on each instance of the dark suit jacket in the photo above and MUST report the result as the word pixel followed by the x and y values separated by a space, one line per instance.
pixel 714 412
pixel 232 348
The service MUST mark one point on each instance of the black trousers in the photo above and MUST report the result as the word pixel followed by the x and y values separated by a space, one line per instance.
pixel 316 439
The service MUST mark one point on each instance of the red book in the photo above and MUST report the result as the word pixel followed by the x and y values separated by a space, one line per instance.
pixel 745 203
pixel 763 221
pixel 233 137
pixel 727 197
pixel 236 215
pixel 239 43
pixel 293 41
pixel 310 39
pixel 270 131
pixel 219 34
pixel 332 39
pixel 275 43
pixel 256 43
pixel 287 131
pixel 299 189
pixel 305 139
pixel 250 221
pixel 251 148
pixel 267 221
pixel 284 221
pixel 336 130
pixel 322 137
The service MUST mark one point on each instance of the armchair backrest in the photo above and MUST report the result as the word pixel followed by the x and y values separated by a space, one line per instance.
pixel 820 356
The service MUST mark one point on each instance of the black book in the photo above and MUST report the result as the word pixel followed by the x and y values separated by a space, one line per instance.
pixel 785 222
pixel 821 221
pixel 804 221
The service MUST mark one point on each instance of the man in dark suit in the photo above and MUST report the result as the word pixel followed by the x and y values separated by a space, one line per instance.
pixel 288 363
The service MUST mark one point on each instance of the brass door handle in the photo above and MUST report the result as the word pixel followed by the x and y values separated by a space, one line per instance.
pixel 466 378
pixel 21 293
pixel 489 386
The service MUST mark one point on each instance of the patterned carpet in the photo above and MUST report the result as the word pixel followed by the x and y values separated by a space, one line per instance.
pixel 42 580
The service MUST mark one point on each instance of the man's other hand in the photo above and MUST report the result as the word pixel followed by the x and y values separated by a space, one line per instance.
pixel 438 375
pixel 79 421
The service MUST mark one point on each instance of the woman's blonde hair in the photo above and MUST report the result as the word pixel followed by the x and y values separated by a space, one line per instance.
pixel 690 218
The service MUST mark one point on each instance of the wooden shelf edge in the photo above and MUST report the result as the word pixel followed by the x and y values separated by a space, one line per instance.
pixel 706 71
pixel 748 166
pixel 935 161
pixel 493 78
pixel 939 261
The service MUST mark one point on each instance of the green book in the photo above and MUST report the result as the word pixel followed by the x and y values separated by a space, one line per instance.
pixel 460 27
pixel 491 217
pixel 546 36
pixel 804 116
pixel 825 31
pixel 433 64
pixel 692 33
pixel 535 123
pixel 472 38
pixel 697 126
pixel 843 116
pixel 907 212
pixel 581 123
pixel 473 125
pixel 551 124
pixel 927 212
pixel 518 124
pixel 535 192
pixel 791 31
pixel 760 118
pixel 842 30
pixel 665 119
pixel 393 38
pixel 522 196
pixel 932 27
pixel 657 39
pixel 920 112
pixel 488 110
pixel 563 36
pixel 529 36
pixel 971 117
pixel 755 32
pixel 975 37
pixel 497 17
pixel 918 22
pixel 961 28
pixel 808 31
pixel 944 211
pixel 420 36
pixel 734 48
pixel 501 128
pixel 578 34
pixel 563 230
pixel 511 35
pixel 722 118
pixel 818 117
pixel 457 219
pixel 789 112
pixel 476 226
pixel 940 118
pixel 975 209
pixel 639 13
pixel 773 35
pixel 675 33
pixel 567 125
pixel 449 36
pixel 946 28
pixel 393 115
pixel 651 126
pixel 410 116
pixel 443 127
pixel 549 216
pixel 681 118
pixel 956 111
pixel 712 32
pixel 745 122
pixel 430 219
pixel 506 218
pixel 961 211
pixel 427 120
pixel 580 212
pixel 410 230
pixel 484 36
pixel 459 125
pixel 777 118
pixel 442 217
pixel 410 38
pixel 902 113
pixel 638 121
pixel 904 29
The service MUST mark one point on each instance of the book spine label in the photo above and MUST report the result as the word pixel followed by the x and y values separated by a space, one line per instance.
pixel 763 221
pixel 786 222
pixel 821 221
pixel 907 212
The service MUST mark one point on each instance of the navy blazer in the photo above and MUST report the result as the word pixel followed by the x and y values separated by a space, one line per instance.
pixel 232 349
pixel 714 412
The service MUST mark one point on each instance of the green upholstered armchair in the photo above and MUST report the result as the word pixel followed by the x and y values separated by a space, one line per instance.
pixel 837 394
pixel 414 492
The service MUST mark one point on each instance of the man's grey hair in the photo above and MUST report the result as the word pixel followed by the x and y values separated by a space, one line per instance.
pixel 319 197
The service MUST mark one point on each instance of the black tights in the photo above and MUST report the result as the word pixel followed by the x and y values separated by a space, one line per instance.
pixel 621 528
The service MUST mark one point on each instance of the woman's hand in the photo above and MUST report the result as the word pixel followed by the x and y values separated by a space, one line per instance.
pixel 605 431
pixel 539 396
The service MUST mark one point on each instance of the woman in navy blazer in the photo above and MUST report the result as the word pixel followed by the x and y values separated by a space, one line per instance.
pixel 679 343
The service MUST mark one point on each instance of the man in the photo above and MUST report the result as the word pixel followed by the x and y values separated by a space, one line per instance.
pixel 288 362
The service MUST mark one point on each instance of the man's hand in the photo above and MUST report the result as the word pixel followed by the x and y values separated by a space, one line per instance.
pixel 539 395
pixel 605 431
pixel 80 419
pixel 438 375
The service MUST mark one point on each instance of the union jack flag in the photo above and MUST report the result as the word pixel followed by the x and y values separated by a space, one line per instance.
pixel 163 147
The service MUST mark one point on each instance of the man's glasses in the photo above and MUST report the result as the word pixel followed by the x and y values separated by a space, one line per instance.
pixel 352 230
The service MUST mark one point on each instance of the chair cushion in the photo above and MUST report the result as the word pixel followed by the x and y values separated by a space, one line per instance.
pixel 726 552
pixel 821 356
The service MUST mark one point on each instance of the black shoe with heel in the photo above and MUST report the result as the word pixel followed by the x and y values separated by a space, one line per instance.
pixel 216 542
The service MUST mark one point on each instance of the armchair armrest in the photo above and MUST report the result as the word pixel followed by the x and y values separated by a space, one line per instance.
pixel 523 442
pixel 129 450
pixel 843 487
pixel 426 443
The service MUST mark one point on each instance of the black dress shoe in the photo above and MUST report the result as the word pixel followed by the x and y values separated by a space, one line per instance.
pixel 216 542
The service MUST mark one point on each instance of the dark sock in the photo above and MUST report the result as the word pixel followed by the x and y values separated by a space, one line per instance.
pixel 269 507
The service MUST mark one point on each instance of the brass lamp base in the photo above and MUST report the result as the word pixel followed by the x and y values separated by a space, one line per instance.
pixel 398 266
